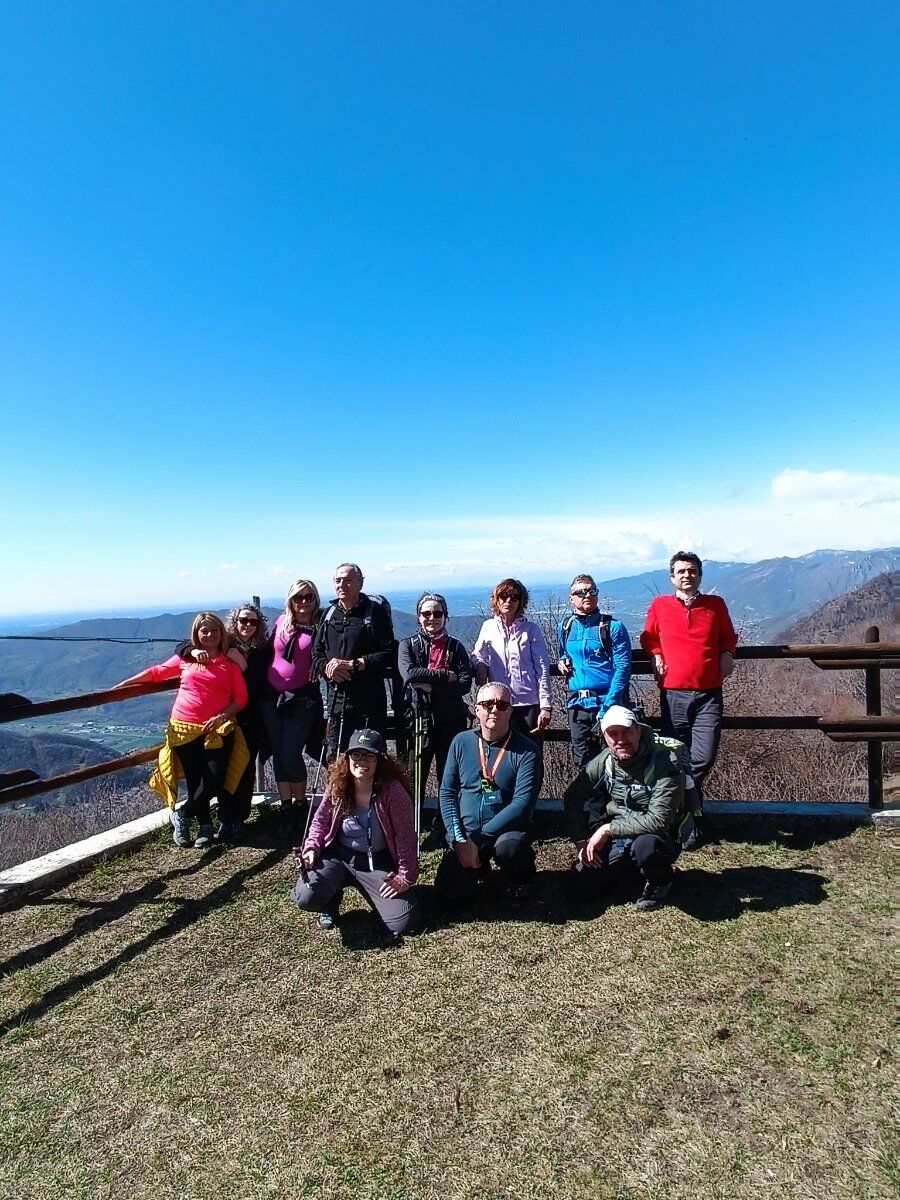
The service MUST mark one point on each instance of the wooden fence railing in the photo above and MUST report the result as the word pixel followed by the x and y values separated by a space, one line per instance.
pixel 872 657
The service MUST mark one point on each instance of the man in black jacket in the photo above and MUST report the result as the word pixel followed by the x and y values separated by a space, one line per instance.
pixel 353 651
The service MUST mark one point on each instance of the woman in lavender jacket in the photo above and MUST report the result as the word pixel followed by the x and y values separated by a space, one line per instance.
pixel 364 836
pixel 511 649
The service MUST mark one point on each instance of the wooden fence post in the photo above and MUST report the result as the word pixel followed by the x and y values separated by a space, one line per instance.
pixel 874 749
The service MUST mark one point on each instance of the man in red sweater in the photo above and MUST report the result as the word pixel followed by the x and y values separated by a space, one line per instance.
pixel 691 640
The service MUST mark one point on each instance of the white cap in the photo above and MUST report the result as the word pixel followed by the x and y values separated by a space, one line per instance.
pixel 618 715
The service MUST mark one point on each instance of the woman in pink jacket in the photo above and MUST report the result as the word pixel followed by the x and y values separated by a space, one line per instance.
pixel 201 727
pixel 363 835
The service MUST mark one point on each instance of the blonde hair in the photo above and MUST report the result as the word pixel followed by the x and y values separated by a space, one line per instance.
pixel 299 586
pixel 210 618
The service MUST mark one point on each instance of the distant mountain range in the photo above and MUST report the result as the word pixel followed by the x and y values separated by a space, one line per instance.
pixel 846 618
pixel 763 597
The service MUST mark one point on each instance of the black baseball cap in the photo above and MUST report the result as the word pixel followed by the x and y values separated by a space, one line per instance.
pixel 368 739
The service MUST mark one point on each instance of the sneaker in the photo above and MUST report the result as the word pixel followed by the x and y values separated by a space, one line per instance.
pixel 327 922
pixel 653 896
pixel 181 828
pixel 204 838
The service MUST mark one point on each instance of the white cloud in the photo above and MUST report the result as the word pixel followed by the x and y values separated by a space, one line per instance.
pixel 183 574
pixel 840 486
pixel 228 566
pixel 280 569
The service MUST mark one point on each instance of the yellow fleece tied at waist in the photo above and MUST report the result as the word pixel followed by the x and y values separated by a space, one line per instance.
pixel 164 780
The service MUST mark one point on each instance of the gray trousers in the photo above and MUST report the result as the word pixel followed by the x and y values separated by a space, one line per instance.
pixel 327 881
pixel 695 718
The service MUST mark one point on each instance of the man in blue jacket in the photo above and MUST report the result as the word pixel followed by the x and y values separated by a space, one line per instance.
pixel 595 661
pixel 490 787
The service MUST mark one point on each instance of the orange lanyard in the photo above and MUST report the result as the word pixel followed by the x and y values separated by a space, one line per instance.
pixel 490 776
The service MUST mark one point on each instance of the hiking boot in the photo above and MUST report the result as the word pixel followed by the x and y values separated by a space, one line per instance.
pixel 287 824
pixel 204 838
pixel 694 839
pixel 231 832
pixel 327 922
pixel 181 828
pixel 653 896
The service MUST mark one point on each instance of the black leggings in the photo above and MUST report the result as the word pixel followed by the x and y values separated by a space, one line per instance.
pixel 204 774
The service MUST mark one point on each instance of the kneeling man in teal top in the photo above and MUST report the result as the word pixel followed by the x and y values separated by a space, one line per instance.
pixel 490 787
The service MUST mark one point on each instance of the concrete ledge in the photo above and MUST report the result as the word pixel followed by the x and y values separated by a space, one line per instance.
pixel 60 865
pixel 53 868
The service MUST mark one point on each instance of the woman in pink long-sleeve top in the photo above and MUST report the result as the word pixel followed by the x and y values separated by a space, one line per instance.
pixel 364 836
pixel 201 730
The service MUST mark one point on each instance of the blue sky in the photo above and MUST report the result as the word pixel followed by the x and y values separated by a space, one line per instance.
pixel 449 289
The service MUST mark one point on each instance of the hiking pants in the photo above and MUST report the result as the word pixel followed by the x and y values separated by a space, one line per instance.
pixel 695 718
pixel 204 775
pixel 347 716
pixel 648 856
pixel 584 745
pixel 342 868
pixel 524 718
pixel 234 807
pixel 288 729
pixel 455 884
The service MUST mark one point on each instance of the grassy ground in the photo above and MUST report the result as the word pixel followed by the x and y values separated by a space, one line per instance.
pixel 172 1027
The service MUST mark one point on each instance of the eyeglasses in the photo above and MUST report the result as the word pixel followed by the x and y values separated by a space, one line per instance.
pixel 584 592
pixel 430 614
pixel 247 621
pixel 361 756
pixel 500 705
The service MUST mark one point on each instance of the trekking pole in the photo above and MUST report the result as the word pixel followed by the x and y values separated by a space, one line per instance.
pixel 304 874
pixel 418 740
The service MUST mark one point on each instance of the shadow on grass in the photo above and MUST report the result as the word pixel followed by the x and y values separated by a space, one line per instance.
pixel 790 833
pixel 736 890
pixel 188 911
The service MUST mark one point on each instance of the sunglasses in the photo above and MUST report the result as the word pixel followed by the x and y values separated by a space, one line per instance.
pixel 247 621
pixel 584 592
pixel 303 598
pixel 429 613
pixel 500 705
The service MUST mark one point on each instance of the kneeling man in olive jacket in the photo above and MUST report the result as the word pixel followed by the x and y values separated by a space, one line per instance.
pixel 624 809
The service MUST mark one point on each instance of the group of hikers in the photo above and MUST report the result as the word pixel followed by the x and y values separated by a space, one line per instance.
pixel 316 688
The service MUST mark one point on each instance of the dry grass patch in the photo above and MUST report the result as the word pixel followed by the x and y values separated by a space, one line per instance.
pixel 172 1027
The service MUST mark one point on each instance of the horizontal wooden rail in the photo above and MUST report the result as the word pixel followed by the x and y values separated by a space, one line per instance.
pixel 25 791
pixel 20 712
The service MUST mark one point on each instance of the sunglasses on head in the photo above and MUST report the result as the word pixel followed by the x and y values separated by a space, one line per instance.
pixel 583 592
pixel 500 705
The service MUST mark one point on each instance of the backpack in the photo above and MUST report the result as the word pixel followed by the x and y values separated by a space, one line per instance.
pixel 603 632
pixel 371 601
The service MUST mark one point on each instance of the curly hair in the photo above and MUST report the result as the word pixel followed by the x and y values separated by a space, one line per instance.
pixel 259 638
pixel 339 783
pixel 517 587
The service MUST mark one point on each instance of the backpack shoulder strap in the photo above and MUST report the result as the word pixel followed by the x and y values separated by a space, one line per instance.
pixel 605 634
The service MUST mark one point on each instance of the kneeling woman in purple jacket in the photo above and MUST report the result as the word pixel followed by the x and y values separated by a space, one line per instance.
pixel 363 835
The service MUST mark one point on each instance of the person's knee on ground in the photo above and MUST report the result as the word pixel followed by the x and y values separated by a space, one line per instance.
pixel 515 857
